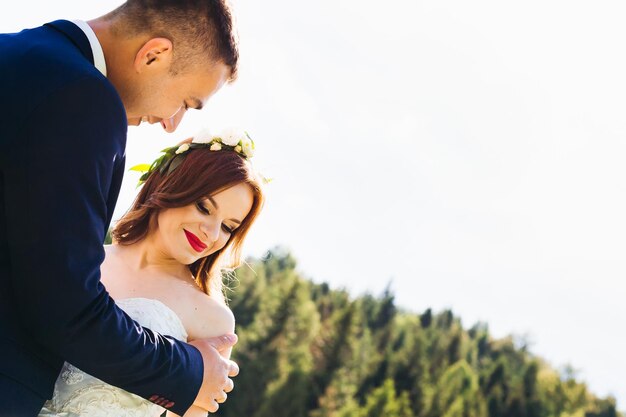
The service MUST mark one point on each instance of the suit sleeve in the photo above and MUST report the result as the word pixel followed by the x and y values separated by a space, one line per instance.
pixel 58 182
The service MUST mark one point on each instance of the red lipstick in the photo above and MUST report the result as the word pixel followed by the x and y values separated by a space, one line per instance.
pixel 195 242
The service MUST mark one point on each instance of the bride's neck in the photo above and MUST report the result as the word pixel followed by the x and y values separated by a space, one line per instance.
pixel 149 255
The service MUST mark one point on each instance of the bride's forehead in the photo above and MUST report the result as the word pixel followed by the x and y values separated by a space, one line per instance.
pixel 237 191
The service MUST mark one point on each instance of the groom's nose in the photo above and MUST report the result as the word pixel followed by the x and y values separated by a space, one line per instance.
pixel 172 123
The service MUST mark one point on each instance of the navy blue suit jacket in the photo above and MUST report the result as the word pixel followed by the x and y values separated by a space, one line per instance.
pixel 62 140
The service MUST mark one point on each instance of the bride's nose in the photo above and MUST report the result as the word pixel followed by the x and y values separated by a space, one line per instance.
pixel 211 231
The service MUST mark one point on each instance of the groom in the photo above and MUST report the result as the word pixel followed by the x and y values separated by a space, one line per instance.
pixel 69 91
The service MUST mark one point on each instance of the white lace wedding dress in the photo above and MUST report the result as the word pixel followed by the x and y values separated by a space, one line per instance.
pixel 79 394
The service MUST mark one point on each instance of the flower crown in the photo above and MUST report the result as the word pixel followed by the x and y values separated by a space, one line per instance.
pixel 229 140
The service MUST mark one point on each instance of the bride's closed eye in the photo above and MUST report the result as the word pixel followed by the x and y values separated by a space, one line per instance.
pixel 202 208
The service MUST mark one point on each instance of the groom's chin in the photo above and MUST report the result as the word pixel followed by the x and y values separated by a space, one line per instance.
pixel 134 121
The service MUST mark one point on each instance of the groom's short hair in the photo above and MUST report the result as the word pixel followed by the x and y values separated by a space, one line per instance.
pixel 201 30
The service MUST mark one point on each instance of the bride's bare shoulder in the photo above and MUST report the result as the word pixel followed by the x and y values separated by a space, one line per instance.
pixel 110 255
pixel 209 317
pixel 119 280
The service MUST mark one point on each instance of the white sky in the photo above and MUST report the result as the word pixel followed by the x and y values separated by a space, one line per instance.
pixel 469 152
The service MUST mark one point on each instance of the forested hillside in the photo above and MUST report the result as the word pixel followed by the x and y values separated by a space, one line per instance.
pixel 307 350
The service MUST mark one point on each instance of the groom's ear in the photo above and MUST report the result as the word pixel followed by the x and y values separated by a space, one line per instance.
pixel 154 54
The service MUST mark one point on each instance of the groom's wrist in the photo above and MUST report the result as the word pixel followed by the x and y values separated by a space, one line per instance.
pixel 185 383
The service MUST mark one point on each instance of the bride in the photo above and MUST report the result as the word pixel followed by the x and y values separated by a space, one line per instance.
pixel 188 222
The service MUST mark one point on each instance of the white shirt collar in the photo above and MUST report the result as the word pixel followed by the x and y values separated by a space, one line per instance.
pixel 96 48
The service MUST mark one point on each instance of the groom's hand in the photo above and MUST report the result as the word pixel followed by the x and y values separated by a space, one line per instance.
pixel 217 371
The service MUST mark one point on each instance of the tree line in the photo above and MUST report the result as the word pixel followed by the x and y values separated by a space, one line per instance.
pixel 307 350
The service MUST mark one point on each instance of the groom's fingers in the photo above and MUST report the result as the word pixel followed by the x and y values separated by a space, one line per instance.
pixel 230 385
pixel 212 406
pixel 233 370
pixel 223 343
pixel 222 398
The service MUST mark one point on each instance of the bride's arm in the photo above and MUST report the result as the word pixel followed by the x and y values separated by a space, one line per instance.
pixel 212 319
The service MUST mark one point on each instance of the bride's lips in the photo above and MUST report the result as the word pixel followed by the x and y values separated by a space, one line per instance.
pixel 195 242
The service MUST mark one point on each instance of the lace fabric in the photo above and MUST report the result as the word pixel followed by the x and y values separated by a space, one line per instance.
pixel 77 393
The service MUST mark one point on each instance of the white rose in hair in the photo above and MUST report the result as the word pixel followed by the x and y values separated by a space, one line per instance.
pixel 248 147
pixel 216 147
pixel 232 136
pixel 182 148
pixel 203 136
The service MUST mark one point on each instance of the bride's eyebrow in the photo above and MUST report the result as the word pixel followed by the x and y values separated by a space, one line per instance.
pixel 213 202
pixel 218 207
